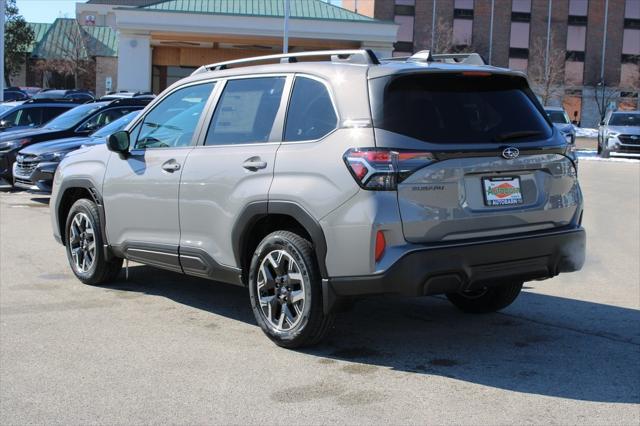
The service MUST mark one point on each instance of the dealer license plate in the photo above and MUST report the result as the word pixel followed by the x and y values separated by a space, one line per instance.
pixel 502 191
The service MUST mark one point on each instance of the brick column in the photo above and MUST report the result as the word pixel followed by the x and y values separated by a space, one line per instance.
pixel 595 37
pixel 501 33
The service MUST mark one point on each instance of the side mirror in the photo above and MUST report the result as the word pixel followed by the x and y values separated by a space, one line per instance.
pixel 119 142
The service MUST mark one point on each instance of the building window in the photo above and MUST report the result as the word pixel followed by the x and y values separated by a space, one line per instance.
pixel 463 9
pixel 578 7
pixel 518 52
pixel 632 9
pixel 405 10
pixel 522 6
pixel 631 42
pixel 520 17
pixel 518 64
pixel 462 29
pixel 519 35
pixel 576 38
pixel 463 4
pixel 403 46
pixel 573 73
pixel 405 31
pixel 406 2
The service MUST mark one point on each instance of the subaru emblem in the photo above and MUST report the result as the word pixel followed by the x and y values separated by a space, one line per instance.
pixel 510 153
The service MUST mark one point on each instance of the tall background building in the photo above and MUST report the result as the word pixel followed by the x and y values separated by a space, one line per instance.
pixel 591 62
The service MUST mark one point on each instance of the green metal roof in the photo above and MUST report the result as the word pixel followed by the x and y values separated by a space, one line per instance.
pixel 300 9
pixel 102 41
pixel 65 38
pixel 39 30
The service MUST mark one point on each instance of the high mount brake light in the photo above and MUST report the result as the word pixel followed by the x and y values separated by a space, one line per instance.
pixel 476 74
pixel 380 169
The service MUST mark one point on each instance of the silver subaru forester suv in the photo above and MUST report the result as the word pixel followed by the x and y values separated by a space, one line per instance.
pixel 316 182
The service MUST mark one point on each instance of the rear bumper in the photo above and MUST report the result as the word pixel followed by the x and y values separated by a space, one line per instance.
pixel 450 268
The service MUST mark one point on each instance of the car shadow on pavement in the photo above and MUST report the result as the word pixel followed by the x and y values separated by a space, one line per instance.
pixel 542 344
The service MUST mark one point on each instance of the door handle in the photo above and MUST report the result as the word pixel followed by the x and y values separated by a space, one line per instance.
pixel 170 166
pixel 254 164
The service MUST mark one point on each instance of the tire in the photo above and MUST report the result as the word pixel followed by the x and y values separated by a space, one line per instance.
pixel 85 254
pixel 286 291
pixel 486 300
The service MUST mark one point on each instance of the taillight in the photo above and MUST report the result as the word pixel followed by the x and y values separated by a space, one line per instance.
pixel 380 169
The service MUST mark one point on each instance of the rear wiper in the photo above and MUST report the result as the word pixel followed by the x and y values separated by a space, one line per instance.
pixel 517 135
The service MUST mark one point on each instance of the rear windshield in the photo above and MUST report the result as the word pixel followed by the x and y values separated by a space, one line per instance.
pixel 558 117
pixel 621 119
pixel 453 108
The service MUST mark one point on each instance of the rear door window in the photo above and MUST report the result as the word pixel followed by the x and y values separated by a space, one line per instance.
pixel 49 113
pixel 454 108
pixel 246 111
pixel 311 114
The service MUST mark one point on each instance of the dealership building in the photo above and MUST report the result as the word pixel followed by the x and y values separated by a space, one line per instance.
pixel 160 42
pixel 599 41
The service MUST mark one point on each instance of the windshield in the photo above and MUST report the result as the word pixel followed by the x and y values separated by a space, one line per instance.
pixel 5 108
pixel 73 117
pixel 113 127
pixel 621 119
pixel 559 117
pixel 453 108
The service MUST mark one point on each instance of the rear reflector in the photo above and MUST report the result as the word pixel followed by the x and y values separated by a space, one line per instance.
pixel 380 245
pixel 381 169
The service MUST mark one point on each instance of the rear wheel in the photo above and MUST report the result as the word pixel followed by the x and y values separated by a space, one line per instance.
pixel 487 299
pixel 286 293
pixel 84 245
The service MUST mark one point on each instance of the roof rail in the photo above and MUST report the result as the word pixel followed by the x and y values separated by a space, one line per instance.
pixel 54 101
pixel 357 56
pixel 451 58
pixel 128 101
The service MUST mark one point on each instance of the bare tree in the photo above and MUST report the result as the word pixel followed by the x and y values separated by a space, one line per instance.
pixel 605 95
pixel 546 76
pixel 67 53
pixel 443 41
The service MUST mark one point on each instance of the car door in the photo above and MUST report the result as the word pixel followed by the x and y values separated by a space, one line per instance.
pixel 140 190
pixel 231 167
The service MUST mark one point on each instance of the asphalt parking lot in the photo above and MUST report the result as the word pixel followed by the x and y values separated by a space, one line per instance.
pixel 161 348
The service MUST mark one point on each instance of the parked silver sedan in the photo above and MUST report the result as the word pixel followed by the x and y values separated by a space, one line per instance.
pixel 619 134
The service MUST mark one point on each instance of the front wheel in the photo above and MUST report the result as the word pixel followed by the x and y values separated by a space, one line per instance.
pixel 286 292
pixel 85 245
pixel 487 299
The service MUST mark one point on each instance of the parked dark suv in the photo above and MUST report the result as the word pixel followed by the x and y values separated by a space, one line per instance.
pixel 79 121
pixel 36 164
pixel 73 94
pixel 33 113
pixel 311 182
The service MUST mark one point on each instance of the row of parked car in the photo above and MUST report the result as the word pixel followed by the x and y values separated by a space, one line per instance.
pixel 618 132
pixel 36 134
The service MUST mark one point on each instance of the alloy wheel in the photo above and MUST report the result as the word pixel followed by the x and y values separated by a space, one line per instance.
pixel 281 290
pixel 82 242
